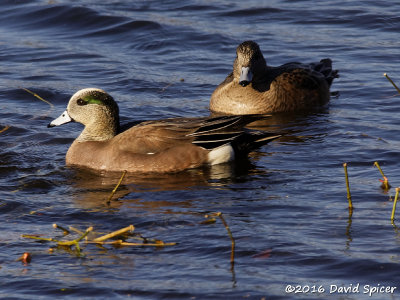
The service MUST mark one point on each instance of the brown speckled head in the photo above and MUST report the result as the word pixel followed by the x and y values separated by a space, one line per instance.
pixel 249 55
pixel 248 51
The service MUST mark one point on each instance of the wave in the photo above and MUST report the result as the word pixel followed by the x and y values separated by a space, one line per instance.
pixel 72 20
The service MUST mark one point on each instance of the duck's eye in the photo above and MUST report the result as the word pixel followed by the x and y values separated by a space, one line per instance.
pixel 81 102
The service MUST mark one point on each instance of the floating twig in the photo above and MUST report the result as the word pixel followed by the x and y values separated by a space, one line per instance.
pixel 4 129
pixel 385 183
pixel 219 214
pixel 75 230
pixel 41 99
pixel 122 243
pixel 37 96
pixel 65 231
pixel 102 238
pixel 208 221
pixel 348 187
pixel 391 81
pixel 35 237
pixel 74 242
pixel 394 205
pixel 99 240
pixel 116 187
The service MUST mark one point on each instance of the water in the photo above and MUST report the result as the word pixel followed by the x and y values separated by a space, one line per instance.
pixel 286 207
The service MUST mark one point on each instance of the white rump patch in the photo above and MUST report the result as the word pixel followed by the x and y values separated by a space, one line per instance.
pixel 221 155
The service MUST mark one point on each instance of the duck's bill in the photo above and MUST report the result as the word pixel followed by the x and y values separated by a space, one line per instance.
pixel 64 118
pixel 245 76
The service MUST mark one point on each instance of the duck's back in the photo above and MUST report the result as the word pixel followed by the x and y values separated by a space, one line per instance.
pixel 296 86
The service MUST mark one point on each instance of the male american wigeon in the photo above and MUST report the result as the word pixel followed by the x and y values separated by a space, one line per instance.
pixel 255 88
pixel 168 145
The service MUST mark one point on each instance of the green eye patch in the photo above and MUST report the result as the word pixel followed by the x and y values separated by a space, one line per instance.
pixel 91 100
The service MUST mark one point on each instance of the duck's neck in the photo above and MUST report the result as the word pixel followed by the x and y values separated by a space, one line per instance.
pixel 102 131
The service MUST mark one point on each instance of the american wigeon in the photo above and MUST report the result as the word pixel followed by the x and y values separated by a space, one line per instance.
pixel 168 145
pixel 255 88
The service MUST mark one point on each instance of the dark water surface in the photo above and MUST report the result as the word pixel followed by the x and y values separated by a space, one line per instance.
pixel 286 207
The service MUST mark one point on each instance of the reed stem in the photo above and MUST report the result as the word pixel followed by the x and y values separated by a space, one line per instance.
pixel 348 187
pixel 391 81
pixel 385 182
pixel 376 164
pixel 394 205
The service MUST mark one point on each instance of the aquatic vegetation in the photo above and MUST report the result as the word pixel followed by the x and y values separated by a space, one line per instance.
pixel 391 81
pixel 348 187
pixel 385 183
pixel 101 240
pixel 385 186
pixel 219 214
pixel 394 205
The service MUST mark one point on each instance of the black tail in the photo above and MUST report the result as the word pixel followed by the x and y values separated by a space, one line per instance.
pixel 251 140
pixel 325 67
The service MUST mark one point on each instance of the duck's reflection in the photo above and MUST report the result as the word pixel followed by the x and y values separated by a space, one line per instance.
pixel 92 190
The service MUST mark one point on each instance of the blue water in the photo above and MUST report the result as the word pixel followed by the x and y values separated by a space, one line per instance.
pixel 286 206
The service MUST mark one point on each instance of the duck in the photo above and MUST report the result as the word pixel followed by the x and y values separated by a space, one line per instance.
pixel 158 146
pixel 256 88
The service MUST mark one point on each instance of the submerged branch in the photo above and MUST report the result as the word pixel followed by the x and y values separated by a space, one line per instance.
pixel 219 214
pixel 116 187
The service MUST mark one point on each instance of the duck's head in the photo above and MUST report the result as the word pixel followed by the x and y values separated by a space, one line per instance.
pixel 95 109
pixel 249 62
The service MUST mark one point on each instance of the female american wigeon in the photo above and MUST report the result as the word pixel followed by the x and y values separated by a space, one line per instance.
pixel 168 145
pixel 255 88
